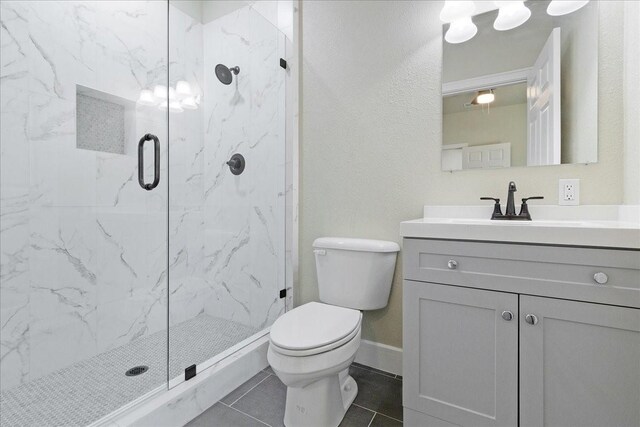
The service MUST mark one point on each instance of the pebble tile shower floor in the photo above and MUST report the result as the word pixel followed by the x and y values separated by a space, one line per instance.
pixel 88 390
pixel 260 402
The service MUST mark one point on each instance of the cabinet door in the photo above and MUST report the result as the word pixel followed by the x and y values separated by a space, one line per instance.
pixel 460 354
pixel 579 364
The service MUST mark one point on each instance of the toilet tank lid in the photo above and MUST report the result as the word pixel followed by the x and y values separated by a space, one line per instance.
pixel 350 244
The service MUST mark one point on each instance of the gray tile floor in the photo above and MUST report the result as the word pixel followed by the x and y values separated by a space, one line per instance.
pixel 261 400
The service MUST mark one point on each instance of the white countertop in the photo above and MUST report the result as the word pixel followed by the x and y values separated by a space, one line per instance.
pixel 598 226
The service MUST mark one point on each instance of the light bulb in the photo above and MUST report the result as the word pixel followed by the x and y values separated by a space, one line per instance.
pixel 147 98
pixel 454 10
pixel 485 97
pixel 183 89
pixel 189 103
pixel 160 91
pixel 461 30
pixel 558 8
pixel 512 14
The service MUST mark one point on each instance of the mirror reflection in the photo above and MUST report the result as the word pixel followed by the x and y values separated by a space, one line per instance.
pixel 519 85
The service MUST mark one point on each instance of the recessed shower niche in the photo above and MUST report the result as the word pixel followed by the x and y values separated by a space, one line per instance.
pixel 103 121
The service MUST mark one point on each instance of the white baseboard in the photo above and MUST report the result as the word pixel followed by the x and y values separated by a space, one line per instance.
pixel 380 356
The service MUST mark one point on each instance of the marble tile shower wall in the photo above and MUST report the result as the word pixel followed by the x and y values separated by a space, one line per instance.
pixel 245 214
pixel 83 247
pixel 83 251
pixel 227 250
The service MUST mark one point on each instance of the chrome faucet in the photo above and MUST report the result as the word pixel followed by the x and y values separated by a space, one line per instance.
pixel 510 213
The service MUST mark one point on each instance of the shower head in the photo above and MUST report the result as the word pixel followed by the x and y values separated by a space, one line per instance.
pixel 223 73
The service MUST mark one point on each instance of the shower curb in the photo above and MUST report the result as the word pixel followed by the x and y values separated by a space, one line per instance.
pixel 184 402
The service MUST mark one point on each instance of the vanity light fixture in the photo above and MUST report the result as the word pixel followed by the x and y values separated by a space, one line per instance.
pixel 458 15
pixel 181 98
pixel 147 98
pixel 484 97
pixel 511 14
pixel 160 91
pixel 174 106
pixel 189 103
pixel 183 89
pixel 461 30
pixel 564 7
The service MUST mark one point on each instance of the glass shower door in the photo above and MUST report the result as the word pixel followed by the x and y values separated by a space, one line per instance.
pixel 83 238
pixel 227 184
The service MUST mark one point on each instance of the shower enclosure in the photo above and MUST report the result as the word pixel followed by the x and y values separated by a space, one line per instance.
pixel 133 253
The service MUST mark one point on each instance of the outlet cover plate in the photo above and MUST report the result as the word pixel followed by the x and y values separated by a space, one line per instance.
pixel 569 192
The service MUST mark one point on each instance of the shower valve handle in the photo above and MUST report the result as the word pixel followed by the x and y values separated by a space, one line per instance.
pixel 236 164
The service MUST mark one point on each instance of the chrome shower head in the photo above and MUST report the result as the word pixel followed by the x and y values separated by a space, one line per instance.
pixel 224 73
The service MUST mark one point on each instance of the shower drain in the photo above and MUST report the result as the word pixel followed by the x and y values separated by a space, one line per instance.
pixel 137 370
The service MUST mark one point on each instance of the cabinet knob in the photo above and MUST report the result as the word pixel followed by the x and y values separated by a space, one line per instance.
pixel 452 264
pixel 531 319
pixel 601 278
pixel 507 315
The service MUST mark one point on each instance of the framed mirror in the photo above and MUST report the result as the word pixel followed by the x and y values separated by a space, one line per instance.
pixel 526 96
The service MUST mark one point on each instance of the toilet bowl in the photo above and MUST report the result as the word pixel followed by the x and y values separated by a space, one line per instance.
pixel 312 346
pixel 315 368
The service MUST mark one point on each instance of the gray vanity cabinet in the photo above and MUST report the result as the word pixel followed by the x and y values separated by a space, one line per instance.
pixel 461 355
pixel 519 335
pixel 579 364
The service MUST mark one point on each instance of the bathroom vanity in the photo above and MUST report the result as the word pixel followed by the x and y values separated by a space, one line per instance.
pixel 529 323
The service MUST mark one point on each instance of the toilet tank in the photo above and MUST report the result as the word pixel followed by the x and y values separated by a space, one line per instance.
pixel 355 273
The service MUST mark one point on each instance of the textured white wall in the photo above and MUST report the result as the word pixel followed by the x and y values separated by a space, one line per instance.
pixel 371 132
pixel 631 104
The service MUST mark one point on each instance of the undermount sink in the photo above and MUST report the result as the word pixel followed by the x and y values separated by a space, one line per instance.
pixel 599 226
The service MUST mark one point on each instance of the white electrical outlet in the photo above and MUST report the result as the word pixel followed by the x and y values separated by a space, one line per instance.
pixel 569 192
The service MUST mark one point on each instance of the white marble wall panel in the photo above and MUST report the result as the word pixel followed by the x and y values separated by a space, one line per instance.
pixel 83 247
pixel 14 222
pixel 244 247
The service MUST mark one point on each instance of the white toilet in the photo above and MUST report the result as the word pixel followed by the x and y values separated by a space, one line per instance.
pixel 312 346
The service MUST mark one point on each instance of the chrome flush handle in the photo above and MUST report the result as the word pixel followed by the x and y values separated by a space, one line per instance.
pixel 452 264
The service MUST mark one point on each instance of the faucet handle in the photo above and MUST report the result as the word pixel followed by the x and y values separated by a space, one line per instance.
pixel 497 211
pixel 524 209
pixel 526 199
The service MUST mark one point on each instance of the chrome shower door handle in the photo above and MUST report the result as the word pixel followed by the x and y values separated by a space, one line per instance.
pixel 156 161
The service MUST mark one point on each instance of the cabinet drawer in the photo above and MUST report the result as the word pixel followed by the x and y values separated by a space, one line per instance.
pixel 554 271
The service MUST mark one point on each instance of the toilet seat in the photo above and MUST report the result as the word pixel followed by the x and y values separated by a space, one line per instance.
pixel 314 328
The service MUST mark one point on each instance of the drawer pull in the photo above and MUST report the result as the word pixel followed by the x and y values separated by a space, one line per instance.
pixel 507 315
pixel 452 264
pixel 601 278
pixel 531 319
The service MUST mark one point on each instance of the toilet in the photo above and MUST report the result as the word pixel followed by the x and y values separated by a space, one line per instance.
pixel 312 346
